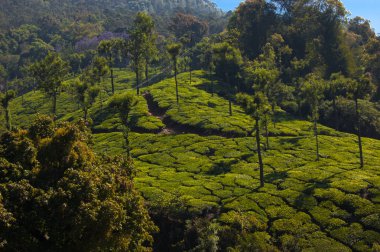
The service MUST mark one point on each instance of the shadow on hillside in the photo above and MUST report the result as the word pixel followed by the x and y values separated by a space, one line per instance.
pixel 306 199
pixel 125 80
pixel 102 114
pixel 221 167
pixel 275 176
pixel 291 140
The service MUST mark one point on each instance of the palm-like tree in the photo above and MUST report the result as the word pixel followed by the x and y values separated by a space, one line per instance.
pixel 174 50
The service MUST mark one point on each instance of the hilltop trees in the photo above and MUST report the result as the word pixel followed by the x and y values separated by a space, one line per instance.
pixel 174 50
pixel 228 63
pixel 254 21
pixel 49 74
pixel 188 28
pixel 72 200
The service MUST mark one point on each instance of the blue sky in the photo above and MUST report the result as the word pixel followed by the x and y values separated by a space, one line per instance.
pixel 368 9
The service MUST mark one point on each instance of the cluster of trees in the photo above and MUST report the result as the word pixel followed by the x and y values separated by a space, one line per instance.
pixel 29 30
pixel 310 65
pixel 56 194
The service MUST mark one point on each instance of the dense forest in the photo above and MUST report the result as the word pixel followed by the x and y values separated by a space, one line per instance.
pixel 172 126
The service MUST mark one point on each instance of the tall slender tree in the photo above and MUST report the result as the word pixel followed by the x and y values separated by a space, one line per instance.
pixel 50 74
pixel 111 49
pixel 124 103
pixel 256 107
pixel 174 50
pixel 312 90
pixel 87 87
pixel 360 88
pixel 139 43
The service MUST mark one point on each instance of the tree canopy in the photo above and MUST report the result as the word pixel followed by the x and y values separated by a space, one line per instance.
pixel 57 195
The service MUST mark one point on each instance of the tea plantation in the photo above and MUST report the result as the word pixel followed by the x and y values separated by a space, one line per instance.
pixel 197 155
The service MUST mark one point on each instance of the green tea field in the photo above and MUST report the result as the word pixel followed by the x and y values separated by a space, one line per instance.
pixel 197 155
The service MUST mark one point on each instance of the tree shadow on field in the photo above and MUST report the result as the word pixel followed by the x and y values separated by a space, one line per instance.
pixel 306 199
pixel 221 167
pixel 275 177
pixel 125 80
pixel 291 141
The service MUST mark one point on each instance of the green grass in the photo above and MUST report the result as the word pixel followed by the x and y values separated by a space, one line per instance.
pixel 305 205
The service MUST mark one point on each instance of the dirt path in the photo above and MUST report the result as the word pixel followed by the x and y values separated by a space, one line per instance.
pixel 159 114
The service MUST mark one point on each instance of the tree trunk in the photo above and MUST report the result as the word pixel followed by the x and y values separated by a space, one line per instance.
pixel 8 118
pixel 273 114
pixel 230 105
pixel 127 143
pixel 55 105
pixel 137 80
pixel 359 134
pixel 112 82
pixel 146 71
pixel 101 99
pixel 335 114
pixel 316 138
pixel 259 153
pixel 212 83
pixel 85 110
pixel 266 132
pixel 176 81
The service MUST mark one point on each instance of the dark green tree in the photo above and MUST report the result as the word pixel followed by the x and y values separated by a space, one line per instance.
pixel 57 195
pixel 49 74
pixel 336 86
pixel 254 20
pixel 228 62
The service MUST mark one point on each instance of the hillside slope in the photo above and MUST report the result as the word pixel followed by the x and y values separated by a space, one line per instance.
pixel 199 157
